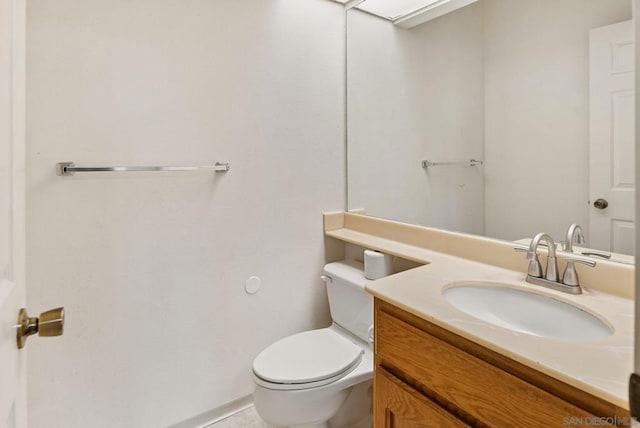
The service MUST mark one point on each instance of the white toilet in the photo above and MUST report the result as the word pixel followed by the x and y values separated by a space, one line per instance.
pixel 311 378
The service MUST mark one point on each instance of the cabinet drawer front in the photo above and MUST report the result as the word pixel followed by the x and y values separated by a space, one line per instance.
pixel 397 405
pixel 479 391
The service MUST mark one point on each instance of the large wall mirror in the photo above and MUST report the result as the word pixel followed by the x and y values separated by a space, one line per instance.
pixel 501 118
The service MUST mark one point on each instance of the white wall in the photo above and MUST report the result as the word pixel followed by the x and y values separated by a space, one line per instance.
pixel 537 112
pixel 151 267
pixel 413 95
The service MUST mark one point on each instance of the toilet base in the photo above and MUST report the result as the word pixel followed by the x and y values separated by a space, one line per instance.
pixel 353 409
pixel 357 409
pixel 298 409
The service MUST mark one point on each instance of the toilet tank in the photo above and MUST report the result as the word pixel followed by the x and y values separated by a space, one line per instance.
pixel 351 306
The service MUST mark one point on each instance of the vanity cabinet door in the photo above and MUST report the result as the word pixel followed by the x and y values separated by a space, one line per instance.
pixel 482 392
pixel 397 405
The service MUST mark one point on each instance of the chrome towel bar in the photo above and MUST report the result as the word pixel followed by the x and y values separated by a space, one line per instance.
pixel 69 168
pixel 472 162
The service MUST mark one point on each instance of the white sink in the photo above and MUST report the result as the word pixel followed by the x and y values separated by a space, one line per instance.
pixel 526 312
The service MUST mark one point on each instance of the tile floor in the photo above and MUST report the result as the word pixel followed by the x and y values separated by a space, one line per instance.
pixel 247 418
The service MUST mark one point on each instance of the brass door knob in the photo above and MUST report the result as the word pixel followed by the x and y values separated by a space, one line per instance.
pixel 600 203
pixel 50 323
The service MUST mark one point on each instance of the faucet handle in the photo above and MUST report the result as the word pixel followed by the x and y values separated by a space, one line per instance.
pixel 597 253
pixel 535 269
pixel 570 276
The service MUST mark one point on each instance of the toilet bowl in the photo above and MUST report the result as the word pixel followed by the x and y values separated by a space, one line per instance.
pixel 311 378
pixel 316 393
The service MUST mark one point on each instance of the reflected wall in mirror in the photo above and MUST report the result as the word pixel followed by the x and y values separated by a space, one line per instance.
pixel 540 91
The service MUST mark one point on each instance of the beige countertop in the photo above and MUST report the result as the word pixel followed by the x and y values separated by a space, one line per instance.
pixel 600 367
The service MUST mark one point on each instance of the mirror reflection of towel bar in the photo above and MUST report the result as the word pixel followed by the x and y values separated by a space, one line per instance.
pixel 69 168
pixel 472 162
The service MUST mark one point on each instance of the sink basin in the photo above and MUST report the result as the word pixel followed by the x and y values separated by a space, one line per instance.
pixel 526 312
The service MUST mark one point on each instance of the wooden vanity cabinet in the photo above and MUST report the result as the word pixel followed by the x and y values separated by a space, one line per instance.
pixel 397 405
pixel 426 376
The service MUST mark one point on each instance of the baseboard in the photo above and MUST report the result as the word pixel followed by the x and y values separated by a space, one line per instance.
pixel 217 414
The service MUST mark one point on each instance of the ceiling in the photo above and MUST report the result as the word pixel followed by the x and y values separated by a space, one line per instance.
pixel 406 13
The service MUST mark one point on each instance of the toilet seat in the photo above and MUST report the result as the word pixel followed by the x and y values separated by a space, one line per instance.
pixel 306 360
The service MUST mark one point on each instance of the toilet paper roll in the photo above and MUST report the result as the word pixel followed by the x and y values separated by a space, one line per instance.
pixel 377 265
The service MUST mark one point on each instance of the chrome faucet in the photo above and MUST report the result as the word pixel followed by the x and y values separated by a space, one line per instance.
pixel 569 282
pixel 574 233
pixel 534 263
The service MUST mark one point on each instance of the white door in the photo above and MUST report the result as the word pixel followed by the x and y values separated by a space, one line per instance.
pixel 612 138
pixel 12 258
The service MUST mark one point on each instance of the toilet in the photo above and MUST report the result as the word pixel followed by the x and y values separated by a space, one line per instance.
pixel 323 378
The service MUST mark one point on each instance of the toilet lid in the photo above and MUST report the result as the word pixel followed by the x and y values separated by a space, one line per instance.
pixel 307 357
